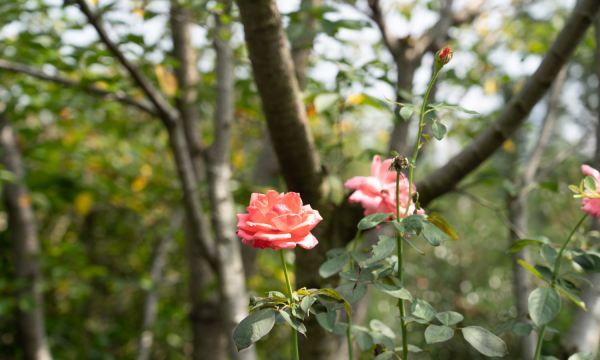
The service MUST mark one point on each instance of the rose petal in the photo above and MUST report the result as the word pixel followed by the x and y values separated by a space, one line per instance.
pixel 308 242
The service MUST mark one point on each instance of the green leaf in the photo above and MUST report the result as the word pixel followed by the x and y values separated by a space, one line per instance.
pixel 521 329
pixel 571 296
pixel 544 305
pixel 436 334
pixel 530 268
pixel 413 223
pixel 438 130
pixel 589 261
pixel 484 341
pixel 364 340
pixel 333 265
pixel 394 290
pixel 411 348
pixel 422 309
pixel 306 303
pixel 293 322
pixel 352 292
pixel 549 254
pixel 386 355
pixel 449 317
pixel 589 183
pixel 326 320
pixel 406 112
pixel 370 221
pixel 385 247
pixel 582 356
pixel 380 327
pixel 253 328
pixel 433 234
pixel 523 243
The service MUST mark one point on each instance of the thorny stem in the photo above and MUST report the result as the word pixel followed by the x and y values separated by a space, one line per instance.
pixel 295 353
pixel 555 272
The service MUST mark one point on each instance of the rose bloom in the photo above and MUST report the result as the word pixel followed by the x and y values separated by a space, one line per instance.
pixel 278 221
pixel 591 205
pixel 377 193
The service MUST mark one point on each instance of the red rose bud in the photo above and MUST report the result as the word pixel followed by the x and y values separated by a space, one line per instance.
pixel 443 56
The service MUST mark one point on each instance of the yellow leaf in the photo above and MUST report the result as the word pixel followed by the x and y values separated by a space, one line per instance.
pixel 441 224
pixel 508 146
pixel 355 99
pixel 83 203
pixel 490 86
pixel 139 184
pixel 166 80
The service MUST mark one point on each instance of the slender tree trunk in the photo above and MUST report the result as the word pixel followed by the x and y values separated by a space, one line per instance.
pixel 234 298
pixel 23 234
pixel 208 334
pixel 405 69
pixel 159 261
pixel 584 333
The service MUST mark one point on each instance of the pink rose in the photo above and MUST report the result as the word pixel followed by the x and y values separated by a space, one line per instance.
pixel 278 221
pixel 377 193
pixel 591 205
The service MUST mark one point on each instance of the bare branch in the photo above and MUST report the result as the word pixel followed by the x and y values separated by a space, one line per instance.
pixel 378 17
pixel 167 114
pixel 61 80
pixel 445 178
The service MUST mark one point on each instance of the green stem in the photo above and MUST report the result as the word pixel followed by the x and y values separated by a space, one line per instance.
pixel 555 273
pixel 349 337
pixel 413 160
pixel 562 249
pixel 399 247
pixel 295 353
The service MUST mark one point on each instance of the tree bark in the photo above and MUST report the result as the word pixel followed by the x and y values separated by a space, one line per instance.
pixel 234 297
pixel 445 178
pixel 23 235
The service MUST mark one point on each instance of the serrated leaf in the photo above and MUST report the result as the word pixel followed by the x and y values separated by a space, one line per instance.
pixel 395 291
pixel 307 302
pixel 433 235
pixel 484 341
pixel 333 265
pixel 326 320
pixel 370 221
pixel 413 223
pixel 253 328
pixel 422 309
pixel 293 322
pixel 352 292
pixel 449 317
pixel 543 305
pixel 382 328
pixel 385 247
pixel 438 130
pixel 523 243
pixel 436 334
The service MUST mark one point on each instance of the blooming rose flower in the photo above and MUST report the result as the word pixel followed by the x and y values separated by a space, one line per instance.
pixel 377 193
pixel 278 221
pixel 591 201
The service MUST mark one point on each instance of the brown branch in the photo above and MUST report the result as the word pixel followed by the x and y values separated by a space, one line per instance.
pixel 378 17
pixel 281 100
pixel 61 80
pixel 445 178
pixel 167 114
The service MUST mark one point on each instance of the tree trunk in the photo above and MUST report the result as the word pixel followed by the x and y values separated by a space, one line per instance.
pixel 208 333
pixel 23 234
pixel 232 282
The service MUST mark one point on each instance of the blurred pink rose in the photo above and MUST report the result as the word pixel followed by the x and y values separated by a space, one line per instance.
pixel 591 205
pixel 377 193
pixel 278 221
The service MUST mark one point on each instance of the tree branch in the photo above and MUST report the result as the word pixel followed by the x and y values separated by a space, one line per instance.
pixel 378 17
pixel 94 90
pixel 445 178
pixel 167 113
